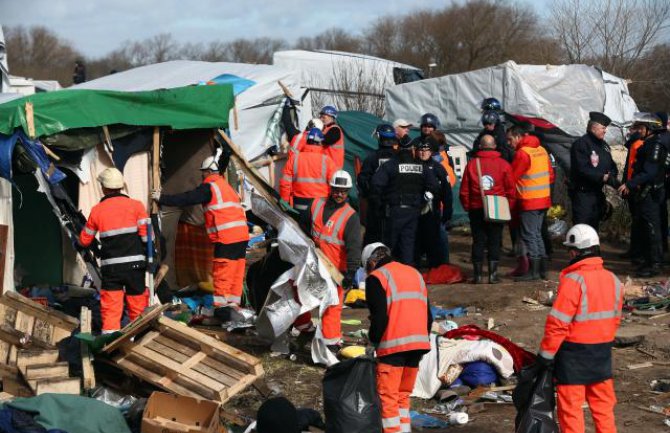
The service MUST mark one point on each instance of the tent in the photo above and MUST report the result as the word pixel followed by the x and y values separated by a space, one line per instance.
pixel 4 70
pixel 77 133
pixel 346 79
pixel 560 97
pixel 258 96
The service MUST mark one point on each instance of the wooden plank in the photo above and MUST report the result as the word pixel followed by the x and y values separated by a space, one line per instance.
pixel 45 371
pixel 68 385
pixel 4 230
pixel 32 308
pixel 16 386
pixel 8 371
pixel 135 327
pixel 87 372
pixel 35 357
pixel 30 119
pixel 240 360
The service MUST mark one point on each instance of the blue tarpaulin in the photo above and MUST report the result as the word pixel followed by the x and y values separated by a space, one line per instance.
pixel 35 151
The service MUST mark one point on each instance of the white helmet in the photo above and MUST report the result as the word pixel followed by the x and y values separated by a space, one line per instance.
pixel 209 164
pixel 341 179
pixel 111 178
pixel 315 123
pixel 581 236
pixel 369 249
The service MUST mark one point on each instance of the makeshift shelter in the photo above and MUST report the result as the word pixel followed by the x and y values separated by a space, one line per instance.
pixel 79 133
pixel 346 79
pixel 4 69
pixel 556 98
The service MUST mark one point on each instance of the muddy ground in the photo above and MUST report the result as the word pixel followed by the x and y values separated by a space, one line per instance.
pixel 523 323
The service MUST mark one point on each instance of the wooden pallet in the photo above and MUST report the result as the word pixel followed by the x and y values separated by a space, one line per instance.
pixel 43 373
pixel 185 361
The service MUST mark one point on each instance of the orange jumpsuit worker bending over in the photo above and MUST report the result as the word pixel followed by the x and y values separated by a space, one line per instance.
pixel 226 224
pixel 579 333
pixel 121 224
pixel 400 321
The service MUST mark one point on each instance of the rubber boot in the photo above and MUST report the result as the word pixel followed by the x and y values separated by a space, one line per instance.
pixel 533 273
pixel 521 267
pixel 477 272
pixel 493 273
pixel 544 262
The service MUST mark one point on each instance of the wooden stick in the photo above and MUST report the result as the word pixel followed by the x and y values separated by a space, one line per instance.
pixel 285 89
pixel 658 316
pixel 30 119
pixel 162 272
pixel 641 350
pixel 236 120
pixel 155 167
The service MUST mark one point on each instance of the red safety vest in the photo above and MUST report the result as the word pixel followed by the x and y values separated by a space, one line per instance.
pixel 336 150
pixel 407 307
pixel 225 219
pixel 329 235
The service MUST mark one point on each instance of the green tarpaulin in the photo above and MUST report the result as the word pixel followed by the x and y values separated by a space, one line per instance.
pixel 181 108
pixel 359 141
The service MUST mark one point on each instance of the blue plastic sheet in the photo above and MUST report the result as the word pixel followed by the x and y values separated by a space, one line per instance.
pixel 421 421
pixel 239 84
pixel 443 313
pixel 35 151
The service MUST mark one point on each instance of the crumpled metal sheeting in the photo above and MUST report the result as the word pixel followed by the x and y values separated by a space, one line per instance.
pixel 315 286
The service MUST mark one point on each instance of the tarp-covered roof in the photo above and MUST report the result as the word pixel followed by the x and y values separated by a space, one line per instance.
pixel 180 108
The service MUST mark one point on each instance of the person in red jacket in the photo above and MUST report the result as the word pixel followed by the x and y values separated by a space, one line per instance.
pixel 579 334
pixel 533 176
pixel 121 224
pixel 496 179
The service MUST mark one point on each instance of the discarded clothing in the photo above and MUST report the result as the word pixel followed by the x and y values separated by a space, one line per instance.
pixel 17 421
pixel 521 357
pixel 443 313
pixel 421 421
pixel 444 274
pixel 478 373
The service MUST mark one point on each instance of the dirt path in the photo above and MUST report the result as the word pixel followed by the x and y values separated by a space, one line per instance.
pixel 522 323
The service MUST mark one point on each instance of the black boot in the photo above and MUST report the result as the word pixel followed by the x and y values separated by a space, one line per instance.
pixel 493 273
pixel 477 272
pixel 543 267
pixel 533 271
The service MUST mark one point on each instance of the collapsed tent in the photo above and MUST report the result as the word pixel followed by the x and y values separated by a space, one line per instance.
pixel 259 98
pixel 561 95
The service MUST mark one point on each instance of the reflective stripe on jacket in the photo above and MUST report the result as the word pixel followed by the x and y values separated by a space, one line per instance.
pixel 335 150
pixel 407 306
pixel 535 183
pixel 329 235
pixel 121 224
pixel 225 219
pixel 306 174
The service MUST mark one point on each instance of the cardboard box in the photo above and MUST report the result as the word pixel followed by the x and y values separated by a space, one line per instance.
pixel 170 413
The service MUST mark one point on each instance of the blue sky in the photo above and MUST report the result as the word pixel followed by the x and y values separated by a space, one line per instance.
pixel 96 27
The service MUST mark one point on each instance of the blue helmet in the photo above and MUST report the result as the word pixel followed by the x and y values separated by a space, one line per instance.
pixel 490 118
pixel 489 104
pixel 384 130
pixel 429 119
pixel 329 110
pixel 315 136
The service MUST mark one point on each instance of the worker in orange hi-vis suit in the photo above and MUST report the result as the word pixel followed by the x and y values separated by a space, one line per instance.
pixel 579 334
pixel 121 223
pixel 400 322
pixel 226 224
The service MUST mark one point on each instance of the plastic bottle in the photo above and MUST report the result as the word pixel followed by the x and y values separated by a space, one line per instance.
pixel 595 159
pixel 458 418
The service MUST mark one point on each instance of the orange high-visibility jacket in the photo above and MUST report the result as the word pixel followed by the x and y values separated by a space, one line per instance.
pixel 121 223
pixel 632 155
pixel 583 320
pixel 534 184
pixel 329 235
pixel 335 150
pixel 447 166
pixel 225 219
pixel 306 174
pixel 407 307
pixel 298 141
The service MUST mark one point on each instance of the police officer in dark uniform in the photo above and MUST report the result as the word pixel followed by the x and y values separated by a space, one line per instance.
pixel 664 137
pixel 493 125
pixel 647 187
pixel 402 187
pixel 428 124
pixel 591 167
pixel 436 213
pixel 388 143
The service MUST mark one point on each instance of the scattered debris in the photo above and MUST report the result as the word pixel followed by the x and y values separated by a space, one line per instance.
pixel 639 366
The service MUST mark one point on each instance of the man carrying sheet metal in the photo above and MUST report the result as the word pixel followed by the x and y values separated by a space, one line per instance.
pixel 400 322
pixel 579 334
pixel 121 224
pixel 226 224
pixel 336 229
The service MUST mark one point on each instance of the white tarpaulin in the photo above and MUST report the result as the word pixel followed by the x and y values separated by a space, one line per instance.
pixel 562 95
pixel 4 69
pixel 258 97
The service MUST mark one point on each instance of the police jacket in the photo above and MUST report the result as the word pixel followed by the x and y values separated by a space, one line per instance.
pixel 502 146
pixel 580 328
pixel 402 181
pixel 370 166
pixel 648 167
pixel 587 174
pixel 442 202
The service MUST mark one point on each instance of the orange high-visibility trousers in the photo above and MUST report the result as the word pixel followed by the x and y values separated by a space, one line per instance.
pixel 137 304
pixel 331 322
pixel 228 278
pixel 601 399
pixel 394 386
pixel 111 307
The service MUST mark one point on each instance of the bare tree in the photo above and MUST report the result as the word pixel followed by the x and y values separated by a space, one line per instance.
pixel 614 34
pixel 332 39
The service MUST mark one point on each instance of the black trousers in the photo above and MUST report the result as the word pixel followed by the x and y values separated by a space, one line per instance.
pixel 429 240
pixel 664 224
pixel 648 217
pixel 588 208
pixel 486 237
pixel 401 237
pixel 375 222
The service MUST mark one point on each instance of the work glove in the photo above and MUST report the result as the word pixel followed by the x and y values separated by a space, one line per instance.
pixel 286 207
pixel 155 194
